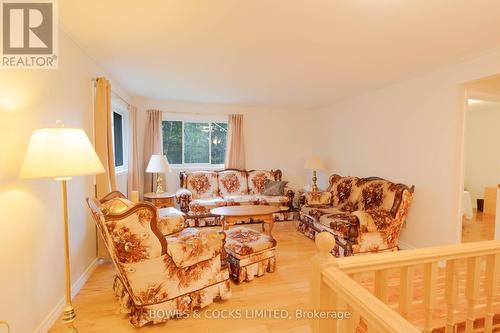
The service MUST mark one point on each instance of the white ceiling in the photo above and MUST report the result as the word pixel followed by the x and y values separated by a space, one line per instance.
pixel 288 53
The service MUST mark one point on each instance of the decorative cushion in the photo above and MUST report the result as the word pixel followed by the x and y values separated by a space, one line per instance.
pixel 116 206
pixel 257 180
pixel 203 206
pixel 318 198
pixel 170 220
pixel 274 187
pixel 193 245
pixel 132 237
pixel 242 241
pixel 377 194
pixel 233 182
pixel 345 192
pixel 203 184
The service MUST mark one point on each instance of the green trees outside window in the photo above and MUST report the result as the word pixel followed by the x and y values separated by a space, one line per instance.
pixel 188 142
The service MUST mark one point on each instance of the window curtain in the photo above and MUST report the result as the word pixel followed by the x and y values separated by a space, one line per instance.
pixel 153 145
pixel 103 141
pixel 133 155
pixel 235 150
pixel 103 137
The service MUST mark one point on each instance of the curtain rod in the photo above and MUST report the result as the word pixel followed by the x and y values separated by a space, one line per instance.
pixel 199 113
pixel 113 92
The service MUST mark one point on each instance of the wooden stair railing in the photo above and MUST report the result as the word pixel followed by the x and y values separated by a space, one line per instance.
pixel 334 286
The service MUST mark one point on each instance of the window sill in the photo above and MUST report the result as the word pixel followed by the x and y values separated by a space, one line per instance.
pixel 120 171
pixel 196 167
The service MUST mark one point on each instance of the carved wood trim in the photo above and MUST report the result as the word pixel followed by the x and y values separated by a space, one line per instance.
pixel 112 195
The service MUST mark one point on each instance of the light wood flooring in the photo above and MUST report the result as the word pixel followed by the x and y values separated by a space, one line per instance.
pixel 286 289
pixel 480 227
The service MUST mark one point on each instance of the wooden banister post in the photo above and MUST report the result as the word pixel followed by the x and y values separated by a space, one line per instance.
pixel 492 274
pixel 430 283
pixel 451 293
pixel 471 291
pixel 406 290
pixel 321 297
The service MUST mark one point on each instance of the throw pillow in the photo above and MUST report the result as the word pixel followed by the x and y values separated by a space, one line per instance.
pixel 274 188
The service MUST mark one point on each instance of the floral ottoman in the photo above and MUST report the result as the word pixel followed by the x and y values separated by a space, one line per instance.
pixel 249 253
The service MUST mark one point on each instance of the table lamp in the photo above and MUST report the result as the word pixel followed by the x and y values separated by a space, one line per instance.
pixel 158 164
pixel 314 163
pixel 61 153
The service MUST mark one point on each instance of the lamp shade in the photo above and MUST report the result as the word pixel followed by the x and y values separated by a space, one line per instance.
pixel 158 164
pixel 314 163
pixel 59 153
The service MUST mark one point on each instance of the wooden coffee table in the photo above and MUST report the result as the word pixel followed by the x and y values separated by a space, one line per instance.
pixel 231 214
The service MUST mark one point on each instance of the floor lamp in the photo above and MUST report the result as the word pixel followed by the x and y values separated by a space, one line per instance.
pixel 61 153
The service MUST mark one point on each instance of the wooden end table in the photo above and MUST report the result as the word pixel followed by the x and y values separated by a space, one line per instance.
pixel 160 200
pixel 231 214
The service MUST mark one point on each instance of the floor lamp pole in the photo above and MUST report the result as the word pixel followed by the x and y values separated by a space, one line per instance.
pixel 69 312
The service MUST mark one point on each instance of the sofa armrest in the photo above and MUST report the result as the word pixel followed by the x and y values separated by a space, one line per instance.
pixel 316 198
pixel 380 221
pixel 376 220
pixel 291 195
pixel 183 197
pixel 193 245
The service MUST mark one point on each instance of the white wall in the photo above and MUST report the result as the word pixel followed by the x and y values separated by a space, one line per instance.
pixel 482 153
pixel 32 260
pixel 274 138
pixel 410 132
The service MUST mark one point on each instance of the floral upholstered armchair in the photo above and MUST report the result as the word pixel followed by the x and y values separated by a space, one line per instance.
pixel 203 190
pixel 364 214
pixel 159 277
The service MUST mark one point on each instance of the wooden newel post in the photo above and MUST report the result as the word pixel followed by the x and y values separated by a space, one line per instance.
pixel 321 297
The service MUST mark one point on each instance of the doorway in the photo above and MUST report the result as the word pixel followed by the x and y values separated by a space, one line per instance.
pixel 481 174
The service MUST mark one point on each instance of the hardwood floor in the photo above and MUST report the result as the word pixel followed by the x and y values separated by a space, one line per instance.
pixel 480 227
pixel 286 289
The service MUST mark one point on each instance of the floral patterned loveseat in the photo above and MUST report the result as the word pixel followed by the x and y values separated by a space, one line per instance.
pixel 159 277
pixel 364 214
pixel 203 190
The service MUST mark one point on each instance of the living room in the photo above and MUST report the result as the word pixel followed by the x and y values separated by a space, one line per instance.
pixel 358 89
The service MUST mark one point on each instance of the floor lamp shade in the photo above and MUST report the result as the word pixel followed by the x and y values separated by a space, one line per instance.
pixel 59 153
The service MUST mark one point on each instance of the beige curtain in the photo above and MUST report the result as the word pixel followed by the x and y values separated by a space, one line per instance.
pixel 103 136
pixel 235 150
pixel 103 141
pixel 153 145
pixel 133 155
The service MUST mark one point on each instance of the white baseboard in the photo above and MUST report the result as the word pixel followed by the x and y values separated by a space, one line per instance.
pixel 56 311
pixel 406 246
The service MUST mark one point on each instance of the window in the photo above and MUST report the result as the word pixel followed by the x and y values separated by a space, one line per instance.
pixel 192 142
pixel 119 126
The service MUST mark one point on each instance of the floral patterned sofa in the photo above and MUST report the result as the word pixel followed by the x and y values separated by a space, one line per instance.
pixel 203 190
pixel 364 214
pixel 159 277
